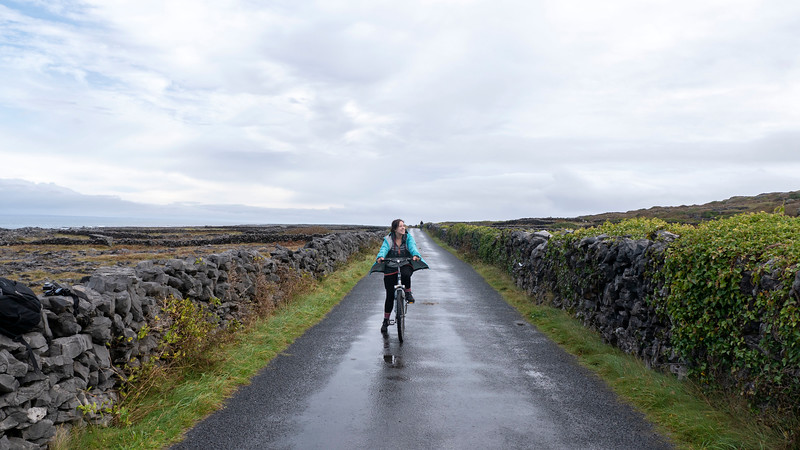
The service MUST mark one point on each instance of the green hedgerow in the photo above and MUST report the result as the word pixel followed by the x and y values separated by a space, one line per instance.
pixel 729 300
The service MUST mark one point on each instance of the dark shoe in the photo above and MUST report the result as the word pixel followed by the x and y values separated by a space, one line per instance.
pixel 385 326
pixel 409 297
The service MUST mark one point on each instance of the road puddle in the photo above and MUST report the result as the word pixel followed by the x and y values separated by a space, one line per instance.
pixel 393 361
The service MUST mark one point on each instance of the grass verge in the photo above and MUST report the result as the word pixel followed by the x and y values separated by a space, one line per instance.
pixel 677 408
pixel 181 401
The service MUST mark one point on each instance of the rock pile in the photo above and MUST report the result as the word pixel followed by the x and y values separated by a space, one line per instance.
pixel 81 353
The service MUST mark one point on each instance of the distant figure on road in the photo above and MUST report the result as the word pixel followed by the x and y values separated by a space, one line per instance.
pixel 398 244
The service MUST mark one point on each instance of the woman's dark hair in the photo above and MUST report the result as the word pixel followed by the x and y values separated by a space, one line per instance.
pixel 396 223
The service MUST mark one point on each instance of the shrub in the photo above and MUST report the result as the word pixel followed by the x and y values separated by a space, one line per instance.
pixel 637 228
pixel 729 300
pixel 187 336
pixel 734 317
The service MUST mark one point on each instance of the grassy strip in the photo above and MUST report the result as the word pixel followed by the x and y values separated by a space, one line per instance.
pixel 677 408
pixel 181 401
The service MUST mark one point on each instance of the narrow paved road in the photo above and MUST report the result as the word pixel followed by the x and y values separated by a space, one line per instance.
pixel 470 374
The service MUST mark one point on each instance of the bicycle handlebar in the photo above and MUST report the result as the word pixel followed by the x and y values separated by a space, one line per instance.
pixel 397 261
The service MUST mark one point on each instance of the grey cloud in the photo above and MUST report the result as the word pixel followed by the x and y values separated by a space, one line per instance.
pixel 488 110
pixel 41 204
pixel 324 52
pixel 230 159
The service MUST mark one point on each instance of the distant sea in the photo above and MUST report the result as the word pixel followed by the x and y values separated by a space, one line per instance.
pixel 51 221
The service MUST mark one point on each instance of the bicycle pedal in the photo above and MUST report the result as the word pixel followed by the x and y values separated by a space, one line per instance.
pixel 392 322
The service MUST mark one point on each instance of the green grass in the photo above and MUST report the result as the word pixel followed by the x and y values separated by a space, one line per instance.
pixel 677 408
pixel 181 401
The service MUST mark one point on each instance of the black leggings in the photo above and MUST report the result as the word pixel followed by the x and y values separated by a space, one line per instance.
pixel 389 281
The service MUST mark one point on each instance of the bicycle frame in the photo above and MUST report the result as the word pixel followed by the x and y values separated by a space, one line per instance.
pixel 399 297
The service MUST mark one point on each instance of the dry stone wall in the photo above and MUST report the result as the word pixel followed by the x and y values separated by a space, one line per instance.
pixel 722 310
pixel 612 284
pixel 82 354
pixel 604 281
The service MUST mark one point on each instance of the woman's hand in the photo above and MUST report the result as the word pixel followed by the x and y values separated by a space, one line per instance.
pixel 415 258
pixel 380 260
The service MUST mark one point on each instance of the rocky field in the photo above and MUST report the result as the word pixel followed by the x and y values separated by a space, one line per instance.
pixel 37 255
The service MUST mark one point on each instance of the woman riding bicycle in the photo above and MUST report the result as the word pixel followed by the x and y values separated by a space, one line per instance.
pixel 398 244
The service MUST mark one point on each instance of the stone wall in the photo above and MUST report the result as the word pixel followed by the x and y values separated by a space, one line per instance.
pixel 82 354
pixel 612 283
pixel 603 281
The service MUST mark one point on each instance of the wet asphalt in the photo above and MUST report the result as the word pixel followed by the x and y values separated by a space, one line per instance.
pixel 471 373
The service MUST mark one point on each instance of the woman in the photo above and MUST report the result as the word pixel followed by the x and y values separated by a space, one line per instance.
pixel 397 244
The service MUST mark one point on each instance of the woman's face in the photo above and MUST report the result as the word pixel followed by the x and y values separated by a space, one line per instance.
pixel 401 228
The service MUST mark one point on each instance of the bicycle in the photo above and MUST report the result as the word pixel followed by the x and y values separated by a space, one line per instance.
pixel 400 303
pixel 400 300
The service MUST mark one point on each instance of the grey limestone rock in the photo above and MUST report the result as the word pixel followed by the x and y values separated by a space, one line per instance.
pixel 81 355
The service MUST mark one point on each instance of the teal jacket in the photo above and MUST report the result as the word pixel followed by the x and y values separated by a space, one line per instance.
pixel 411 245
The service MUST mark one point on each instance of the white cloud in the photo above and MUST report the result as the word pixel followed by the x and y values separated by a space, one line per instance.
pixel 452 110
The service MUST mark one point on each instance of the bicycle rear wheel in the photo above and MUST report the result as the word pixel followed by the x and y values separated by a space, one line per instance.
pixel 400 313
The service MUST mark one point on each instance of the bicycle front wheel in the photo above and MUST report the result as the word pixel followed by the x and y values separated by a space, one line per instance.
pixel 400 313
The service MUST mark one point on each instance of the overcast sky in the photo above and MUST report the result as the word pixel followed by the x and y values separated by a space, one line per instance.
pixel 363 111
